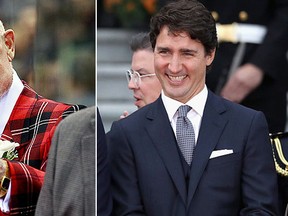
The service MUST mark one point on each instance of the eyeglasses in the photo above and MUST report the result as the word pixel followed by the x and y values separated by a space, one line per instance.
pixel 136 77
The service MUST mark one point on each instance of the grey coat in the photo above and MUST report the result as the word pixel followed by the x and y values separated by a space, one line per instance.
pixel 69 186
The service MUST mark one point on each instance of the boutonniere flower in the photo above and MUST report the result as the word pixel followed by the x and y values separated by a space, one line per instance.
pixel 7 149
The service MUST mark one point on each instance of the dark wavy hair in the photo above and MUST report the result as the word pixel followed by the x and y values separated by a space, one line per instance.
pixel 188 16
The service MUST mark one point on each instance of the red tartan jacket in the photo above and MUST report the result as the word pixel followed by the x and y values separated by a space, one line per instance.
pixel 31 124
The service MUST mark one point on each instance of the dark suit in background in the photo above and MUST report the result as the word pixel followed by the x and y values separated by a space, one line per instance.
pixel 104 199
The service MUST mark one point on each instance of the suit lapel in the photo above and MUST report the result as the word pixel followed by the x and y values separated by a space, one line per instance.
pixel 14 128
pixel 7 135
pixel 162 134
pixel 212 126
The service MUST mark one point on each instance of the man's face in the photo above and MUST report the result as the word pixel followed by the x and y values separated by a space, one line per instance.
pixel 6 57
pixel 149 88
pixel 180 64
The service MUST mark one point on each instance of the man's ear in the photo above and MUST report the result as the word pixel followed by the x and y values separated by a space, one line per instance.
pixel 9 40
pixel 210 57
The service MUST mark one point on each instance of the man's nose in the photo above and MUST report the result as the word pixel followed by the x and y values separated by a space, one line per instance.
pixel 175 64
pixel 132 85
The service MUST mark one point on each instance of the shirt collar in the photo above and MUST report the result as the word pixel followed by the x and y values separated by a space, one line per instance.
pixel 197 103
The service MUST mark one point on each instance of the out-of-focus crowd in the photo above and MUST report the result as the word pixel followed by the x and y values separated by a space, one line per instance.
pixel 55 43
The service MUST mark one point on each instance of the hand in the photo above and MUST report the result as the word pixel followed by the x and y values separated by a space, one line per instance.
pixel 3 166
pixel 4 171
pixel 245 79
pixel 124 115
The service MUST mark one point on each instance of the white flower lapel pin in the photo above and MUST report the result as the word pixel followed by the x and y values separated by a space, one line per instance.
pixel 7 149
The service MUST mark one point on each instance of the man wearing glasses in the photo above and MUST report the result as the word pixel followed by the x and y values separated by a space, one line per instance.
pixel 141 77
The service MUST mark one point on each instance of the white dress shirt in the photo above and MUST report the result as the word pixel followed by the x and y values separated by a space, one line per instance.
pixel 7 103
pixel 6 106
pixel 194 115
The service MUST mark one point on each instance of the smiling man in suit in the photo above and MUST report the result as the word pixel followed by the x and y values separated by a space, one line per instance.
pixel 226 168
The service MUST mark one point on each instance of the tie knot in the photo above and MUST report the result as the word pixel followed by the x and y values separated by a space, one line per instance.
pixel 183 110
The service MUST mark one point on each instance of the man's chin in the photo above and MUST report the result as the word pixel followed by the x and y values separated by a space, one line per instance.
pixel 139 104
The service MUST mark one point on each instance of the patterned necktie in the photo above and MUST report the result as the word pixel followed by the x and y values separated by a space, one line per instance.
pixel 185 133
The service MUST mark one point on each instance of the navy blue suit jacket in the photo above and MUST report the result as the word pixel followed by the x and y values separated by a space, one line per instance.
pixel 104 199
pixel 147 174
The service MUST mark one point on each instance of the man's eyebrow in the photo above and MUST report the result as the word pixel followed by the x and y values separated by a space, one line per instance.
pixel 162 48
pixel 182 49
pixel 186 50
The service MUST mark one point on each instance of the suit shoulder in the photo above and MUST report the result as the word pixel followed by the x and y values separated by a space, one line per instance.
pixel 223 104
pixel 240 108
pixel 244 114
pixel 32 100
pixel 135 120
pixel 80 119
pixel 81 116
pixel 140 113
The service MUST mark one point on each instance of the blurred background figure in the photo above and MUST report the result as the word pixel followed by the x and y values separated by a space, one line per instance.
pixel 142 79
pixel 252 68
pixel 117 23
pixel 49 51
pixel 21 16
pixel 65 50
pixel 131 14
pixel 25 26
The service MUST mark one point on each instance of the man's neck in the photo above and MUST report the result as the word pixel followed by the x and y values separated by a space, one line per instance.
pixel 6 86
pixel 9 99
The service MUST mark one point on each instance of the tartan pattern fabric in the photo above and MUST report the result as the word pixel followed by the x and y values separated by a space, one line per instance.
pixel 31 124
pixel 185 133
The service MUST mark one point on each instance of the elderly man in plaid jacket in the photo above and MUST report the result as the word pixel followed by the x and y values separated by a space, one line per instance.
pixel 30 120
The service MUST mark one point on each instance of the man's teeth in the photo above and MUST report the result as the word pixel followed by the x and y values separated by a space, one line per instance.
pixel 177 78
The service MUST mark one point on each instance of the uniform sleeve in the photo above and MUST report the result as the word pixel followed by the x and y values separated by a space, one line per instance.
pixel 273 49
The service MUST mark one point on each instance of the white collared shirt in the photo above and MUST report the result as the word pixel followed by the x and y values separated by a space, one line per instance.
pixel 194 115
pixel 7 103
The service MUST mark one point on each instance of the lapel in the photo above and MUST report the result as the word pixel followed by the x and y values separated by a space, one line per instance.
pixel 212 126
pixel 161 132
pixel 7 135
